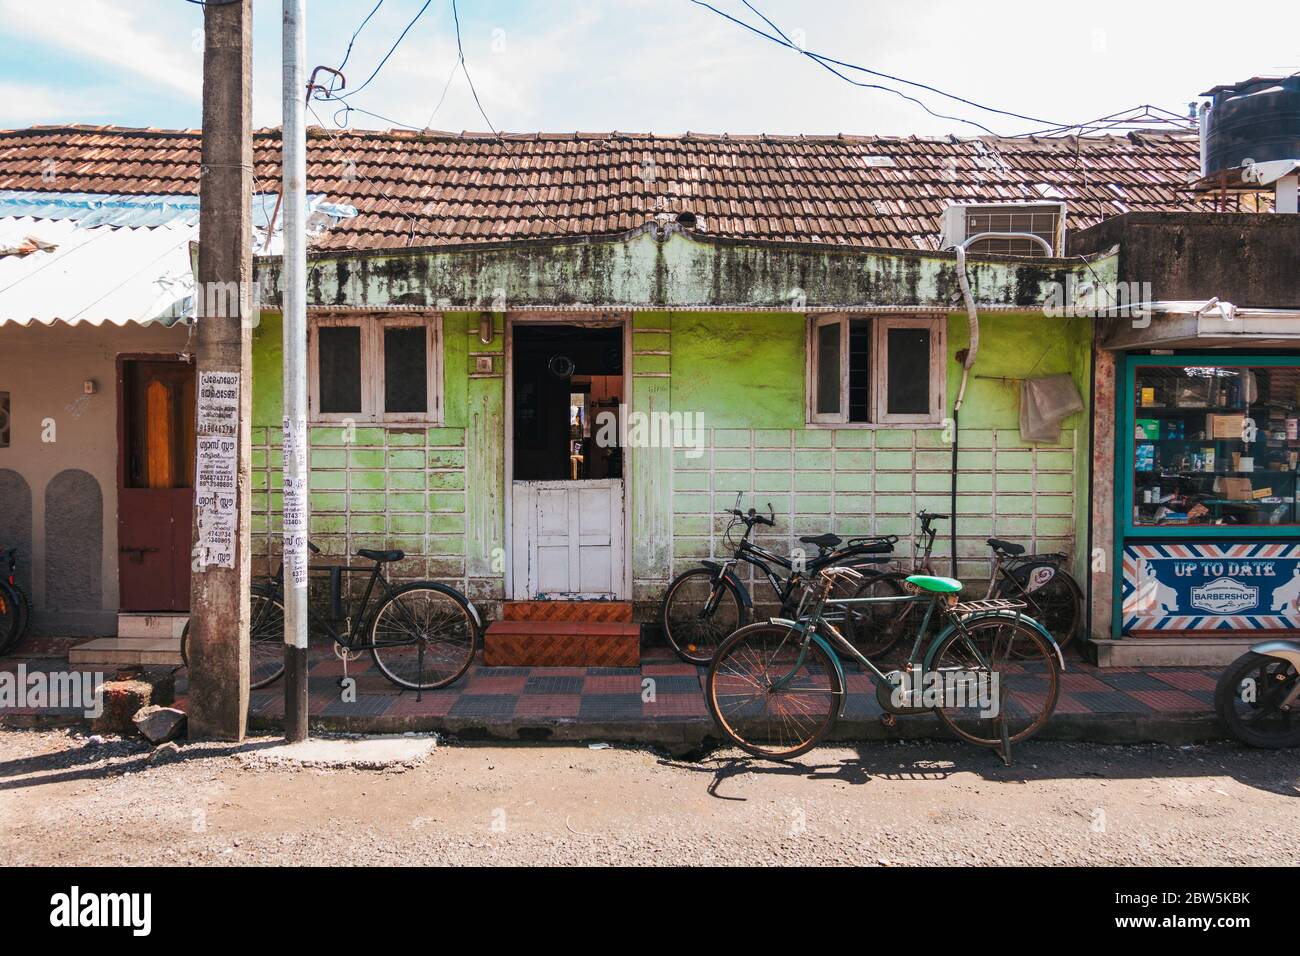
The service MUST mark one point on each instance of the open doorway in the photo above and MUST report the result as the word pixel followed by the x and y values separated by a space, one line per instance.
pixel 567 396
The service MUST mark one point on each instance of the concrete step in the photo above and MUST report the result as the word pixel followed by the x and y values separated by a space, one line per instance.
pixel 1180 651
pixel 620 611
pixel 157 625
pixel 562 644
pixel 115 651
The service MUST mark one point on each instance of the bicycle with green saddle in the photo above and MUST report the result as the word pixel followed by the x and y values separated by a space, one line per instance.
pixel 991 674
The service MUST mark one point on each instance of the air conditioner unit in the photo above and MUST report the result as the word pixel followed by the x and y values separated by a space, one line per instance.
pixel 1005 228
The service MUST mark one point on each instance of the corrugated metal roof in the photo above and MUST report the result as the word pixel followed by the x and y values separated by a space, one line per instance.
pixel 96 258
pixel 96 275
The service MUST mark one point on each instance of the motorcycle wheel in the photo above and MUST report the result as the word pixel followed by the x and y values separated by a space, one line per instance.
pixel 1247 700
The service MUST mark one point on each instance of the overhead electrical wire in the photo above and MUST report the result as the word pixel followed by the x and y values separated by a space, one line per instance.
pixel 829 63
pixel 347 108
pixel 391 50
pixel 356 33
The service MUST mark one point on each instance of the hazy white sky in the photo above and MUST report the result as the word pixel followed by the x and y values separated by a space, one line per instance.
pixel 663 66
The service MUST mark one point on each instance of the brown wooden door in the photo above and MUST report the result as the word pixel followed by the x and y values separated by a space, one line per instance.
pixel 155 497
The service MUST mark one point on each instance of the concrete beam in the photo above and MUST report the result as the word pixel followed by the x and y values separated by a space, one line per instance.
pixel 666 267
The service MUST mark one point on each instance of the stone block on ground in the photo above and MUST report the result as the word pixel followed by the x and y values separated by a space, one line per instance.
pixel 121 700
pixel 159 724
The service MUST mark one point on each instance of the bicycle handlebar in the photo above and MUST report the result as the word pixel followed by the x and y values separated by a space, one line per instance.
pixel 752 517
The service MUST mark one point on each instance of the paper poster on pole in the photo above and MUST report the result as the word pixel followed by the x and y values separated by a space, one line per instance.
pixel 218 404
pixel 216 473
pixel 295 499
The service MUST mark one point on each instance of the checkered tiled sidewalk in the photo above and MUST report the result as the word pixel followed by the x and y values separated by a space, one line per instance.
pixel 662 688
pixel 626 696
pixel 615 694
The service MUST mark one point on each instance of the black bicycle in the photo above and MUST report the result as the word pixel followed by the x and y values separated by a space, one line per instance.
pixel 15 605
pixel 703 605
pixel 1039 581
pixel 421 635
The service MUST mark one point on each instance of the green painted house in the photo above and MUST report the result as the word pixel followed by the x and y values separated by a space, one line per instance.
pixel 838 418
pixel 779 318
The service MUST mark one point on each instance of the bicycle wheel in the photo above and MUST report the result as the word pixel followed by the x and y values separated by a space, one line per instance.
pixel 871 628
pixel 770 699
pixel 24 616
pixel 1248 696
pixel 1057 603
pixel 698 614
pixel 424 636
pixel 10 618
pixel 265 638
pixel 1014 678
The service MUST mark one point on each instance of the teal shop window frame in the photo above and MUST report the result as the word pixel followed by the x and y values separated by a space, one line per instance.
pixel 1128 450
pixel 1126 455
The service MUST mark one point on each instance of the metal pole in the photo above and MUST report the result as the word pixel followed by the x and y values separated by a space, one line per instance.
pixel 296 517
pixel 218 649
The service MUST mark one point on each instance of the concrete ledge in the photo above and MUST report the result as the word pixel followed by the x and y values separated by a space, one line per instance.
pixel 1173 651
pixel 693 733
pixel 117 651
pixel 368 753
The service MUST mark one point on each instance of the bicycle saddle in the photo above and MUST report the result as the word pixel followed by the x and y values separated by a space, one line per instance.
pixel 823 541
pixel 381 556
pixel 934 584
pixel 1006 547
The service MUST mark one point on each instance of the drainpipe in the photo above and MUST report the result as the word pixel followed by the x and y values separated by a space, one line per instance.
pixel 967 360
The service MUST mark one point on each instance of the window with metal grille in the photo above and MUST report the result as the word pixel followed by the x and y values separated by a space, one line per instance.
pixel 884 370
pixel 376 369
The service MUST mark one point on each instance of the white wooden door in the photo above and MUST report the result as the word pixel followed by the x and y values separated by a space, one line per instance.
pixel 567 539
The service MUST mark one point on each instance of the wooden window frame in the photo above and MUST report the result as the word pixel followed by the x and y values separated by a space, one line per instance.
pixel 815 325
pixel 880 326
pixel 372 368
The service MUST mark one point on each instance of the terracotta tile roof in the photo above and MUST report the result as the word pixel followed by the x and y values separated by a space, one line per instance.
pixel 438 188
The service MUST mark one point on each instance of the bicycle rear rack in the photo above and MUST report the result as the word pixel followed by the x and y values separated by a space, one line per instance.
pixel 991 604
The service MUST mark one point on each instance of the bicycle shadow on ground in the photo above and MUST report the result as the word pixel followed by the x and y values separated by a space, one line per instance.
pixel 113 758
pixel 931 761
pixel 725 765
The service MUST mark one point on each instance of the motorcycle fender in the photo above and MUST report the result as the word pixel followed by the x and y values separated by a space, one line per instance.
pixel 1288 651
pixel 1051 641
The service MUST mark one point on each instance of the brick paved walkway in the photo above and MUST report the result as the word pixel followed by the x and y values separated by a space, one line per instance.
pixel 662 701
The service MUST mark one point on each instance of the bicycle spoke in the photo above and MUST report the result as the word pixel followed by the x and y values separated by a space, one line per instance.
pixel 422 637
pixel 771 695
pixel 699 614
pixel 1018 673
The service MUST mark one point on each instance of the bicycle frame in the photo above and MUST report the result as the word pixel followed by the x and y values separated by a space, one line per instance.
pixel 810 626
pixel 351 640
pixel 763 559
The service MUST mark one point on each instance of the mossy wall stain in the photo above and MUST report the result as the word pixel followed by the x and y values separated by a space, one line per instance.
pixel 664 267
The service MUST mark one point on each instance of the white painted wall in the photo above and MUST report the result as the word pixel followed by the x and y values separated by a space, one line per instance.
pixel 43 368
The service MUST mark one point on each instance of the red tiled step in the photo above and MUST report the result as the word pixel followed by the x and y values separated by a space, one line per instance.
pixel 562 644
pixel 567 611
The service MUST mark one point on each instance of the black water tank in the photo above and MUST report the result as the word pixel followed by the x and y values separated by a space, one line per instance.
pixel 1258 119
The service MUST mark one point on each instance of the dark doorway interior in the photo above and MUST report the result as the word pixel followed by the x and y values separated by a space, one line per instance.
pixel 568 381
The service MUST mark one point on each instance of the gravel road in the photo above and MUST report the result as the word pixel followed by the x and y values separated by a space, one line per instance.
pixel 69 799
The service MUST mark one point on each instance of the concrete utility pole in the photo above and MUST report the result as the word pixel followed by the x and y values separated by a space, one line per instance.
pixel 296 518
pixel 218 649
